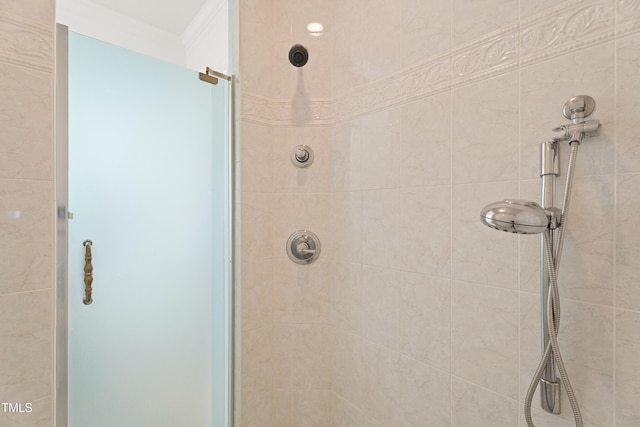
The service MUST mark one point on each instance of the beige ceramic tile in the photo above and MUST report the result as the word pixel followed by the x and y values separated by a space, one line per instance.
pixel 312 408
pixel 627 368
pixel 282 408
pixel 346 296
pixel 256 48
pixel 484 337
pixel 383 383
pixel 381 236
pixel 528 8
pixel 425 319
pixel 627 15
pixel 348 369
pixel 476 18
pixel 426 141
pixel 257 408
pixel 424 395
pixel 381 144
pixel 479 407
pixel 529 245
pixel 282 349
pixel 628 242
pixel 26 346
pixel 26 123
pixel 346 155
pixel 369 421
pixel 479 253
pixel 586 339
pixel 543 418
pixel 41 11
pixel 257 361
pixel 345 238
pixel 302 292
pixel 586 270
pixel 311 356
pixel 426 29
pixel 344 413
pixel 627 104
pixel 381 306
pixel 40 415
pixel 256 157
pixel 380 38
pixel 257 294
pixel 484 128
pixel 257 232
pixel 347 61
pixel 27 229
pixel 426 230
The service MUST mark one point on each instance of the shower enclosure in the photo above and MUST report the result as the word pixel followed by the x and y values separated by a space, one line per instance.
pixel 147 305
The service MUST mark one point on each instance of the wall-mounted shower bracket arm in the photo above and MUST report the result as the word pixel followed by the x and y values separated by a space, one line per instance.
pixel 577 109
pixel 585 129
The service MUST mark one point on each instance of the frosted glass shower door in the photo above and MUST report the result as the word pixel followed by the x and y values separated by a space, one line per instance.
pixel 148 185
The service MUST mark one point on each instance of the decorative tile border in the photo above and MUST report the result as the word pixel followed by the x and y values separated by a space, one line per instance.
pixel 569 27
pixel 258 109
pixel 425 79
pixel 26 43
pixel 491 55
pixel 627 17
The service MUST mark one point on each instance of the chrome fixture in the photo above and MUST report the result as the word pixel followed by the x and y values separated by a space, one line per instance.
pixel 526 217
pixel 517 216
pixel 303 247
pixel 302 156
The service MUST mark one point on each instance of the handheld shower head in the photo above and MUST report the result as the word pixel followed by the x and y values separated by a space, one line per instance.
pixel 515 216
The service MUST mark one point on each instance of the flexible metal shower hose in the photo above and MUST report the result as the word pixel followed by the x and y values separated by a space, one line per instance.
pixel 553 308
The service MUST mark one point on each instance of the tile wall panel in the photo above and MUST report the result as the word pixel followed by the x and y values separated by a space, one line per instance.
pixel 26 210
pixel 431 111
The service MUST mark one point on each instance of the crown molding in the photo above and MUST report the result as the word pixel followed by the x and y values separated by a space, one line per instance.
pixel 198 27
pixel 102 23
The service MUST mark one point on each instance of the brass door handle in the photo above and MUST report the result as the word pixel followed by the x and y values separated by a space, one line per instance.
pixel 88 272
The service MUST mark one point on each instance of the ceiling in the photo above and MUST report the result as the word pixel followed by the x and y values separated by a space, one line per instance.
pixel 172 16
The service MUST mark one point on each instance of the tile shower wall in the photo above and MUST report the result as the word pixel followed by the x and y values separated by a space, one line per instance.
pixel 420 113
pixel 26 207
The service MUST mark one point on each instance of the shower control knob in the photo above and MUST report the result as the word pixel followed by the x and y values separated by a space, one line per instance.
pixel 303 247
pixel 302 156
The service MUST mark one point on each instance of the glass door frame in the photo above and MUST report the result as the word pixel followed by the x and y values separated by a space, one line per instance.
pixel 61 173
